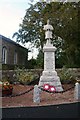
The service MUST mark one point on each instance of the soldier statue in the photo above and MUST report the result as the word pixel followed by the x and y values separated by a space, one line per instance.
pixel 48 31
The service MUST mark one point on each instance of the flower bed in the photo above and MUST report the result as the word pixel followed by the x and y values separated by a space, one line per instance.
pixel 7 88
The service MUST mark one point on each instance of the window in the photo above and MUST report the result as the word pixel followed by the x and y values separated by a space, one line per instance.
pixel 4 55
pixel 15 57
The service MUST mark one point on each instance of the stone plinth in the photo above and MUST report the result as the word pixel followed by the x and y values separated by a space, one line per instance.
pixel 49 75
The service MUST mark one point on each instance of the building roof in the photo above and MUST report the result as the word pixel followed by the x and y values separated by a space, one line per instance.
pixel 10 41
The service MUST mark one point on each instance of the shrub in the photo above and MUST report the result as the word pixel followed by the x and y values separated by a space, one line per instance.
pixel 25 77
pixel 66 76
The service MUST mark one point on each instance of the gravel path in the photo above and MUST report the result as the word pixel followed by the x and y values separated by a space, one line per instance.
pixel 46 98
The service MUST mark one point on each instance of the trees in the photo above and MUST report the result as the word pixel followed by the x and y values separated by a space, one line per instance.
pixel 31 27
pixel 65 20
pixel 70 33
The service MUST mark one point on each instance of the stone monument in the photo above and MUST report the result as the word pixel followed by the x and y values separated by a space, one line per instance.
pixel 49 75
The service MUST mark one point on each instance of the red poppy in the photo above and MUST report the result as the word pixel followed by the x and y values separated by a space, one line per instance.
pixel 52 89
pixel 46 87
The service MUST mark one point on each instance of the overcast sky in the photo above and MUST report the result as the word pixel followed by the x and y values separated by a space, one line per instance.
pixel 11 15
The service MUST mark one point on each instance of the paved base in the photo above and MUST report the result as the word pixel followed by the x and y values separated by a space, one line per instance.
pixel 70 110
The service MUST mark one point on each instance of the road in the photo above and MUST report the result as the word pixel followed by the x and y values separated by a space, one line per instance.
pixel 69 110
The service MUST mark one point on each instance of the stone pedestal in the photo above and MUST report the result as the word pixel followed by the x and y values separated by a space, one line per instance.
pixel 49 75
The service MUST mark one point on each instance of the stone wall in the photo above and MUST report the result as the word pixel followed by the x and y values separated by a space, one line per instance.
pixel 0 58
pixel 76 71
pixel 22 53
pixel 10 73
pixel 0 53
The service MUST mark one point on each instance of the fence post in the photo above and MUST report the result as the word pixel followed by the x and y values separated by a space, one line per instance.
pixel 77 90
pixel 36 94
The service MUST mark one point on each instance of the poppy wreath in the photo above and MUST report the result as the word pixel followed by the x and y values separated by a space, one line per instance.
pixel 49 88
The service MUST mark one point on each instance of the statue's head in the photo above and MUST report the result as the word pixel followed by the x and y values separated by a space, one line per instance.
pixel 48 21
